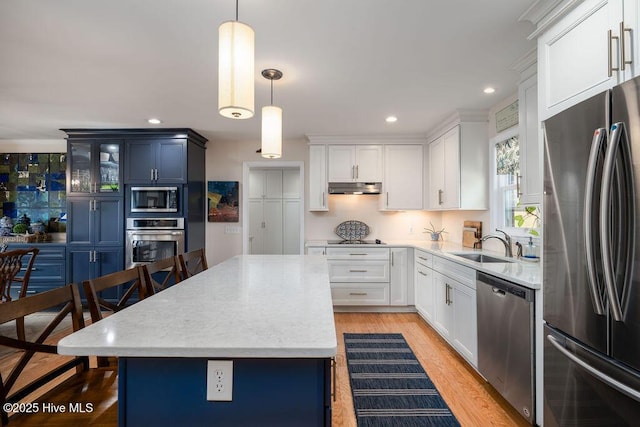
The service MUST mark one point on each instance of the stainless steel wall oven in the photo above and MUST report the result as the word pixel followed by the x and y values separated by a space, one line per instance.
pixel 152 239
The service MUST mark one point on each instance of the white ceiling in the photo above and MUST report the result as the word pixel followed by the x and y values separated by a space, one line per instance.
pixel 347 64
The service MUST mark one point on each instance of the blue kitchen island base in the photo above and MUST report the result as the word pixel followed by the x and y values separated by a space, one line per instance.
pixel 266 392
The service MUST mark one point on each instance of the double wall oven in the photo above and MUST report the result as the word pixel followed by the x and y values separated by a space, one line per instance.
pixel 152 239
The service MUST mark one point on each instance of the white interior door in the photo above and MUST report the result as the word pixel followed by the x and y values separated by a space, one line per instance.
pixel 256 228
pixel 273 230
pixel 291 230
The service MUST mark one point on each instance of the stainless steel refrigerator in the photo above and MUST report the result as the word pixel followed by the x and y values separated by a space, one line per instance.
pixel 592 262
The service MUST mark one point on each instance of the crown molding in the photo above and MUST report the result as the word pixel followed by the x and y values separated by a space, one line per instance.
pixel 544 13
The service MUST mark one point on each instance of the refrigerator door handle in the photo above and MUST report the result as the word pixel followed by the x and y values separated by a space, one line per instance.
pixel 597 146
pixel 611 382
pixel 617 134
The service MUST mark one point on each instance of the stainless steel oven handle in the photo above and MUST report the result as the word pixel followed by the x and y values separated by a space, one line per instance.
pixel 597 146
pixel 612 382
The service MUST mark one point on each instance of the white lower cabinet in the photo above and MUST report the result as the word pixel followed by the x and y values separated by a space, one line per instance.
pixel 360 294
pixel 465 324
pixel 446 298
pixel 443 310
pixel 316 250
pixel 424 290
pixel 400 284
pixel 359 276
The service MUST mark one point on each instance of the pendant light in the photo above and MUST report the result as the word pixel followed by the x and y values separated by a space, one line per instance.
pixel 236 69
pixel 272 121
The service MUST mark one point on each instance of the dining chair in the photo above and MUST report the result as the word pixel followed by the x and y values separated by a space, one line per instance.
pixel 192 262
pixel 24 285
pixel 10 265
pixel 24 279
pixel 166 271
pixel 126 283
pixel 36 371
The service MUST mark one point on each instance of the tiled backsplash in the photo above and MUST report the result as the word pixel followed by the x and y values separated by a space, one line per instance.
pixel 33 184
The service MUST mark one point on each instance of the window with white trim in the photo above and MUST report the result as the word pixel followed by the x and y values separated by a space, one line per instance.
pixel 507 212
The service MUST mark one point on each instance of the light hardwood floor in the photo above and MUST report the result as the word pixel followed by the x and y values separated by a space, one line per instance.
pixel 471 399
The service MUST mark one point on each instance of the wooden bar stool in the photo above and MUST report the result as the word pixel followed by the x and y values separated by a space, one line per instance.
pixel 131 281
pixel 192 262
pixel 168 266
pixel 36 375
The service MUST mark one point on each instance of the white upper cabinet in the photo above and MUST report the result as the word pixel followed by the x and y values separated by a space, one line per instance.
pixel 582 54
pixel 318 178
pixel 291 183
pixel 458 168
pixel 265 183
pixel 530 143
pixel 403 177
pixel 630 28
pixel 355 163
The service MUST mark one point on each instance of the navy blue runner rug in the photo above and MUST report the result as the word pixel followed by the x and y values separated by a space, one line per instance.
pixel 389 386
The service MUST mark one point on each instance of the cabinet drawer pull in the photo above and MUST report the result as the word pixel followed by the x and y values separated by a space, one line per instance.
pixel 422 272
pixel 440 196
pixel 357 271
pixel 358 293
pixel 358 254
pixel 423 258
pixel 25 269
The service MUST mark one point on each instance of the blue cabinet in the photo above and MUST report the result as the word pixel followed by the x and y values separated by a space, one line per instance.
pixel 266 392
pixel 95 238
pixel 88 262
pixel 156 161
pixel 93 167
pixel 49 267
pixel 95 221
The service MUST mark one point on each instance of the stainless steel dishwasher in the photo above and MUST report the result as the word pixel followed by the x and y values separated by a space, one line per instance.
pixel 506 340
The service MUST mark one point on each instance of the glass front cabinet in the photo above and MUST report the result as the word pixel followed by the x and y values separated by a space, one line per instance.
pixel 94 168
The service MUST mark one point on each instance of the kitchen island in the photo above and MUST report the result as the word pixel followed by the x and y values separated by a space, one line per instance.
pixel 271 315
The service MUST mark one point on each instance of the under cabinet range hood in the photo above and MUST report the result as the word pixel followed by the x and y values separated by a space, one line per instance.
pixel 355 187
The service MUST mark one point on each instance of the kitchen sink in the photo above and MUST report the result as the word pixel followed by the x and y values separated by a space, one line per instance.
pixel 482 258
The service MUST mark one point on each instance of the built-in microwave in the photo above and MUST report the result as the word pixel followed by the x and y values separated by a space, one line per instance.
pixel 154 199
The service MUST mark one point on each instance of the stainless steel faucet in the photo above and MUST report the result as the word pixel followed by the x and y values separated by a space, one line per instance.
pixel 506 241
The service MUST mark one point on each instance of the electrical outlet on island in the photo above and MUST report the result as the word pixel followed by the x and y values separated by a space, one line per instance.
pixel 220 380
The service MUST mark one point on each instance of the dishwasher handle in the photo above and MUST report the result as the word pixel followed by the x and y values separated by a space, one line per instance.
pixel 499 285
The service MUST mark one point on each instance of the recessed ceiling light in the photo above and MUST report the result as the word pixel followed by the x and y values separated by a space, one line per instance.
pixel 391 119
pixel 489 90
pixel 155 121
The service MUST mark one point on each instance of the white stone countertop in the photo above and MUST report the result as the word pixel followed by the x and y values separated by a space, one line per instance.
pixel 524 273
pixel 249 306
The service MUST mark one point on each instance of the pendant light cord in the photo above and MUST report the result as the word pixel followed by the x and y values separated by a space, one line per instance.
pixel 236 10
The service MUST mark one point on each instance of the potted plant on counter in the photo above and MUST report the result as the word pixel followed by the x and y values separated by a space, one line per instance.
pixel 435 234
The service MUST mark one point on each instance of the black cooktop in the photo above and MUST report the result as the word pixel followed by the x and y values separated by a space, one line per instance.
pixel 355 242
